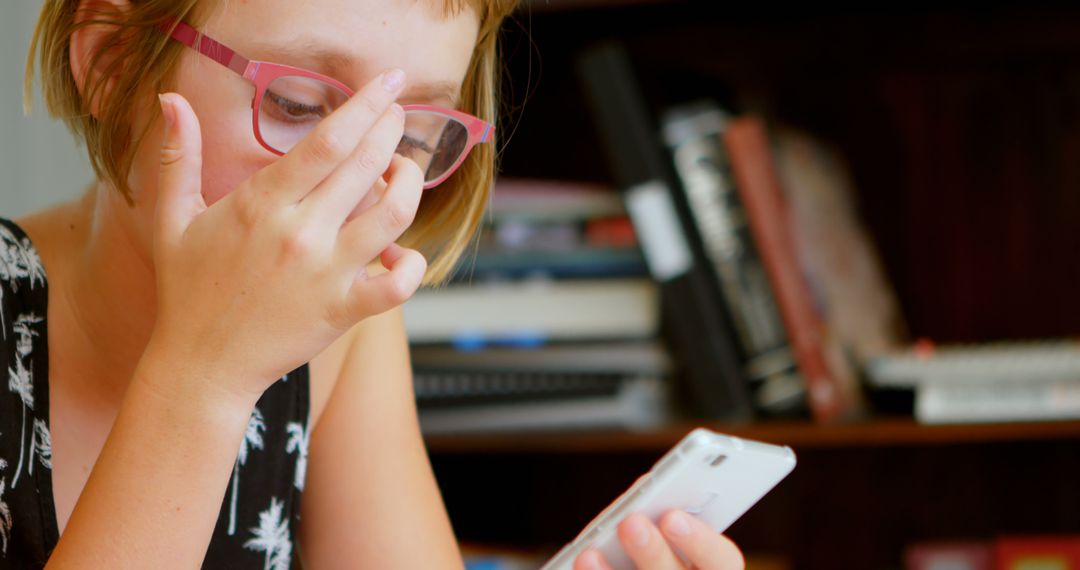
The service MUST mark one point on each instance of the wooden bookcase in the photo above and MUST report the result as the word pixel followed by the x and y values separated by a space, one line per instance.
pixel 859 495
pixel 962 128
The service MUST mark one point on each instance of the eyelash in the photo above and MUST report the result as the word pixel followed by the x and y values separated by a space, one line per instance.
pixel 418 144
pixel 290 106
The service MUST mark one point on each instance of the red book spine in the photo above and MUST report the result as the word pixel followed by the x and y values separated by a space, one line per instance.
pixel 1019 552
pixel 759 189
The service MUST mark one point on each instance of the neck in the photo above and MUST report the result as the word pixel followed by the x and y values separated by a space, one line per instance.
pixel 103 293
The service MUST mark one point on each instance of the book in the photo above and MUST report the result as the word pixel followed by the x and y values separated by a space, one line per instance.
pixel 552 200
pixel 553 386
pixel 501 402
pixel 644 357
pixel 1017 361
pixel 838 259
pixel 694 320
pixel 985 382
pixel 557 229
pixel 1037 553
pixel 693 134
pixel 949 556
pixel 833 391
pixel 967 401
pixel 534 311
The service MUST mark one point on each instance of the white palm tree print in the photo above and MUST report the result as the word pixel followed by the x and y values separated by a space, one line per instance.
pixel 5 513
pixel 40 446
pixel 21 379
pixel 5 518
pixel 253 438
pixel 299 437
pixel 272 537
pixel 18 260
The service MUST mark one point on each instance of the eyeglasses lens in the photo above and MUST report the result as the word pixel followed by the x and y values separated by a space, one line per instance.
pixel 292 106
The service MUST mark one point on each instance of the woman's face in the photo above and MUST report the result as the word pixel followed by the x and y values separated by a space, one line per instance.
pixel 352 41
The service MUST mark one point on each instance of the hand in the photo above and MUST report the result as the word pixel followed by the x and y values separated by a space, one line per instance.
pixel 270 275
pixel 653 548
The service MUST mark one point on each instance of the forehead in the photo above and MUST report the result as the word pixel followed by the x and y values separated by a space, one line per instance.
pixel 353 40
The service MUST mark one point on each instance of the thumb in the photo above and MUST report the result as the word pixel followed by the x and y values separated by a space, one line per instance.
pixel 180 197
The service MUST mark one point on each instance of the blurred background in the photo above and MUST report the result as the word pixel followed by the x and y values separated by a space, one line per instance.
pixel 39 159
pixel 850 231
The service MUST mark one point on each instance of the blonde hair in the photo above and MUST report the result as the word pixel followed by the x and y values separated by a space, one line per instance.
pixel 448 216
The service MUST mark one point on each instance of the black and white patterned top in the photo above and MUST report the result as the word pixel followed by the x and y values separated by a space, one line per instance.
pixel 258 521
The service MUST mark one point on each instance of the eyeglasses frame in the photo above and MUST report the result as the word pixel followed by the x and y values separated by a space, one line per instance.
pixel 263 73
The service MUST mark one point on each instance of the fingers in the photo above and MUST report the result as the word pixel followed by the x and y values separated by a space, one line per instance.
pixel 645 545
pixel 591 560
pixel 180 197
pixel 348 184
pixel 374 295
pixel 369 233
pixel 701 545
pixel 333 140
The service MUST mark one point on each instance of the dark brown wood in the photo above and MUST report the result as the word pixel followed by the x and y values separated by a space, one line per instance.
pixel 800 435
pixel 962 127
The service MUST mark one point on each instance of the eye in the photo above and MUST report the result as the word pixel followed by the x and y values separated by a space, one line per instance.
pixel 409 143
pixel 293 110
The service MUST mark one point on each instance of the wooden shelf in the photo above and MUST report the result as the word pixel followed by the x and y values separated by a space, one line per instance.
pixel 799 435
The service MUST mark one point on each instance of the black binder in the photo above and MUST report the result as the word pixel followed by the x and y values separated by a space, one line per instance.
pixel 695 319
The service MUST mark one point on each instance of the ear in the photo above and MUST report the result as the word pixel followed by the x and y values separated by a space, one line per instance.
pixel 88 41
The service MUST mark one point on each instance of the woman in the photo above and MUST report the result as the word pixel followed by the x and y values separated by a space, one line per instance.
pixel 219 334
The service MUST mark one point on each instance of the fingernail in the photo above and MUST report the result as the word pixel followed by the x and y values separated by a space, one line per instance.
pixel 398 110
pixel 393 80
pixel 168 113
pixel 639 533
pixel 678 525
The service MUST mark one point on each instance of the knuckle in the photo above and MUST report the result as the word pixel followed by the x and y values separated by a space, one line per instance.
pixel 171 155
pixel 249 213
pixel 327 146
pixel 371 159
pixel 299 244
pixel 398 291
pixel 372 104
pixel 397 215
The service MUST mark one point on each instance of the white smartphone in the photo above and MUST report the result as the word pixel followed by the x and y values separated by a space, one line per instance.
pixel 713 476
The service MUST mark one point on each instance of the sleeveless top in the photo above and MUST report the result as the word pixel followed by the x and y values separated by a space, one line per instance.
pixel 257 524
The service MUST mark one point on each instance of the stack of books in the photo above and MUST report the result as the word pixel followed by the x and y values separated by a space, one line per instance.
pixel 552 324
pixel 989 382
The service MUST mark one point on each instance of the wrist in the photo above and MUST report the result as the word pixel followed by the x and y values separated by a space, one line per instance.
pixel 197 382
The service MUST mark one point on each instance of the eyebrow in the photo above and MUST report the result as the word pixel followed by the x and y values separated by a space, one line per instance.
pixel 333 63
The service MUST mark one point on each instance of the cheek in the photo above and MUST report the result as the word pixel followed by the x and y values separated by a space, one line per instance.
pixel 223 104
pixel 231 154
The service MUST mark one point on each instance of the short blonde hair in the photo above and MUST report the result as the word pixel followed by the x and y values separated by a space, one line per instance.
pixel 448 216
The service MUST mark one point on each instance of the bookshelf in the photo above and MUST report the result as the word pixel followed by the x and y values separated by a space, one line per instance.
pixel 959 123
pixel 859 496
pixel 877 433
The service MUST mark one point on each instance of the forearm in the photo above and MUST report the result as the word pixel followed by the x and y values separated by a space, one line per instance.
pixel 371 497
pixel 154 494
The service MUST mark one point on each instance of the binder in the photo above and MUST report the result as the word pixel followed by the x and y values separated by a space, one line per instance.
pixel 695 321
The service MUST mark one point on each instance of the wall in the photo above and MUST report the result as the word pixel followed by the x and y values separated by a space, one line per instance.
pixel 40 164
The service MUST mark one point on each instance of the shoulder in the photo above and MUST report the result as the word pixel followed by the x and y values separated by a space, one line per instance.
pixel 20 264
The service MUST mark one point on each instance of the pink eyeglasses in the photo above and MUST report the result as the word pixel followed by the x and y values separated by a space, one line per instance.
pixel 290 101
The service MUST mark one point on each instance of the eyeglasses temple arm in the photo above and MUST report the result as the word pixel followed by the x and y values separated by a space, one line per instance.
pixel 209 47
